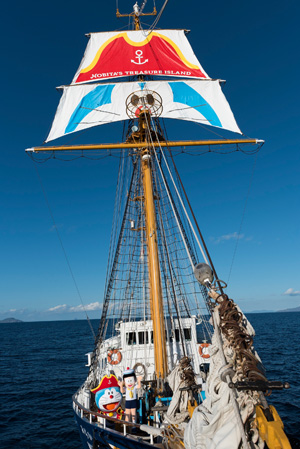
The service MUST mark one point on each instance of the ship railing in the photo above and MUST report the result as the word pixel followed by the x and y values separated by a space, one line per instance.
pixel 83 412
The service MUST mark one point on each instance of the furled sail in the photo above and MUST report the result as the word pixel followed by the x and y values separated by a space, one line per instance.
pixel 129 53
pixel 84 106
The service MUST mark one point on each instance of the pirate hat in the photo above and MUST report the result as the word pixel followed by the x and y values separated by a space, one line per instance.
pixel 106 382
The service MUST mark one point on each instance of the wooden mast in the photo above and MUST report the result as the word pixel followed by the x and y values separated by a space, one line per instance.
pixel 156 297
pixel 159 338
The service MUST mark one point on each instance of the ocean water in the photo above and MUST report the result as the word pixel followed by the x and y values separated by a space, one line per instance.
pixel 42 364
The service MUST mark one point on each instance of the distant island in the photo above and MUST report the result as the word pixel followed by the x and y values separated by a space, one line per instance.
pixel 295 309
pixel 11 320
pixel 261 311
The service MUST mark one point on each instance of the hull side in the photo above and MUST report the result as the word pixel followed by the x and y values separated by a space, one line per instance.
pixel 94 436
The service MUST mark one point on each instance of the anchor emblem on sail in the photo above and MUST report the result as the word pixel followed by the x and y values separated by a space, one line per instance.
pixel 139 56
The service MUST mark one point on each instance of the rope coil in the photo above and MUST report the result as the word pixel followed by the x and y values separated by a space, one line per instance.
pixel 233 328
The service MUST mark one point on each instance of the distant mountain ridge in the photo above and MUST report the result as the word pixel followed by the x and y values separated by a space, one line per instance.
pixel 11 320
pixel 261 311
pixel 295 309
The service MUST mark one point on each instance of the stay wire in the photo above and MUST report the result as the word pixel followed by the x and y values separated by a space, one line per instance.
pixel 176 218
pixel 63 248
pixel 158 16
pixel 182 204
pixel 243 216
pixel 241 224
pixel 143 6
pixel 165 249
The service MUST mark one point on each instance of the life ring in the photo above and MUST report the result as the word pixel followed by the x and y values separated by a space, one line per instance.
pixel 203 345
pixel 114 357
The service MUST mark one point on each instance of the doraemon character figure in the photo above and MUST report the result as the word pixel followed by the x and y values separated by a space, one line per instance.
pixel 108 397
pixel 130 384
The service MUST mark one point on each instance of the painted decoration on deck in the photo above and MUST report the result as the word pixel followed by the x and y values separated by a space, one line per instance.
pixel 161 53
pixel 108 397
pixel 85 106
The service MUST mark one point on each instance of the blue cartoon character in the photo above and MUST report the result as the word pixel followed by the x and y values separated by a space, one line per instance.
pixel 108 397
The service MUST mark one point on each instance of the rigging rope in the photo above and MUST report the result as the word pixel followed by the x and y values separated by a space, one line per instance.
pixel 179 196
pixel 175 299
pixel 243 216
pixel 232 393
pixel 143 6
pixel 63 249
pixel 176 218
pixel 158 16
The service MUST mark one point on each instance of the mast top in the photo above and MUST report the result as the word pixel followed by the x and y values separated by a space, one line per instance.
pixel 136 14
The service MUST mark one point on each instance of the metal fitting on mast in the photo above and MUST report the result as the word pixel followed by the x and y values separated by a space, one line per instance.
pixel 136 9
pixel 136 14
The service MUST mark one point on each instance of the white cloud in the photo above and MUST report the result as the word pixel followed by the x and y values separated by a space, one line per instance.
pixel 291 292
pixel 226 237
pixel 60 308
pixel 86 307
pixel 79 308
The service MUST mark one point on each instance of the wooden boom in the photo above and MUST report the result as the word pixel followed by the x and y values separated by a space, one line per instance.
pixel 115 146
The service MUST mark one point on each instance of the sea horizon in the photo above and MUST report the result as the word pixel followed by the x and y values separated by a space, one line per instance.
pixel 18 320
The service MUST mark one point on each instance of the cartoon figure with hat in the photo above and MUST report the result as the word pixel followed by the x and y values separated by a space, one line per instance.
pixel 108 397
pixel 131 384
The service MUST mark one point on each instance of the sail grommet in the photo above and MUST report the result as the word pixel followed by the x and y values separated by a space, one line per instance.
pixel 114 357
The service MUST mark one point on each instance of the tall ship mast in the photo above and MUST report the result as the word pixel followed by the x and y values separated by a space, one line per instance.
pixel 173 363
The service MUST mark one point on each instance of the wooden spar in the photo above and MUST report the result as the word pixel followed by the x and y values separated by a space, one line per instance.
pixel 136 15
pixel 156 306
pixel 169 144
pixel 156 297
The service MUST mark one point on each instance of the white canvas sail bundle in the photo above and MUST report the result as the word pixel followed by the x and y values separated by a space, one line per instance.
pixel 215 423
pixel 85 106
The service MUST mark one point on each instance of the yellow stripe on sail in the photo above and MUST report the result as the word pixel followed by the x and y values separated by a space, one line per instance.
pixel 178 51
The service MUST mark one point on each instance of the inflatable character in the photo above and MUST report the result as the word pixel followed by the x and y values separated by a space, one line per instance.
pixel 130 384
pixel 108 397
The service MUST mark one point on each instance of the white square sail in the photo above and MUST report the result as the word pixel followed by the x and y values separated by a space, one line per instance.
pixel 85 106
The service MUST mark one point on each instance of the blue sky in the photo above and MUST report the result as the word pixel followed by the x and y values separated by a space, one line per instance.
pixel 254 46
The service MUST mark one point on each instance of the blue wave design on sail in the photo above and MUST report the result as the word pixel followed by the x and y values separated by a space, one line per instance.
pixel 99 96
pixel 185 94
